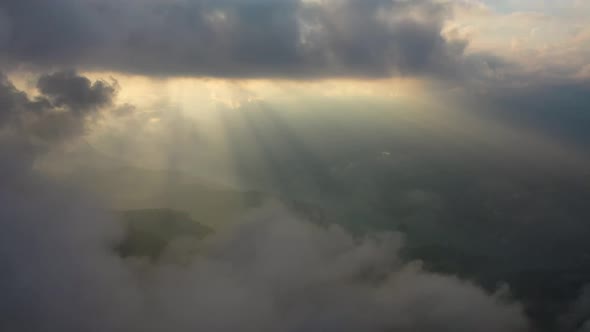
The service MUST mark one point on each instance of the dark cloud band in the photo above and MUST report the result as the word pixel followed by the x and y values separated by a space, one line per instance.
pixel 232 38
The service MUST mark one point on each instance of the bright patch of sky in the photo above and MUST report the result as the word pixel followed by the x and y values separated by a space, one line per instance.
pixel 545 6
pixel 544 35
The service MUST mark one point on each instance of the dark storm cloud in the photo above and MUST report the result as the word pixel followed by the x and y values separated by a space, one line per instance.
pixel 61 111
pixel 68 89
pixel 10 99
pixel 232 38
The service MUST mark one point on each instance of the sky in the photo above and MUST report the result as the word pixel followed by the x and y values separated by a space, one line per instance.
pixel 514 63
pixel 463 122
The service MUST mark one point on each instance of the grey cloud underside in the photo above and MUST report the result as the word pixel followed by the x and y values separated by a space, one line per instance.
pixel 232 38
pixel 58 113
pixel 75 92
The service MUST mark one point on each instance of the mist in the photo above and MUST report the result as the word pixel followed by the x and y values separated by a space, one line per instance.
pixel 273 272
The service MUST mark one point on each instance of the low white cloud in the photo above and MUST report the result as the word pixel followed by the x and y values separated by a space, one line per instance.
pixel 272 273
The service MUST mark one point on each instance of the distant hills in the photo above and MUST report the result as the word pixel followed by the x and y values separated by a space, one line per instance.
pixel 148 232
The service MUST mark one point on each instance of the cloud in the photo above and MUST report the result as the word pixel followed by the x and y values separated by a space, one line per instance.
pixel 460 40
pixel 78 93
pixel 536 36
pixel 61 110
pixel 578 318
pixel 57 273
pixel 272 273
pixel 231 38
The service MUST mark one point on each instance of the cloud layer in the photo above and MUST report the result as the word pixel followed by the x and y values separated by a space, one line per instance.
pixel 231 38
pixel 273 273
